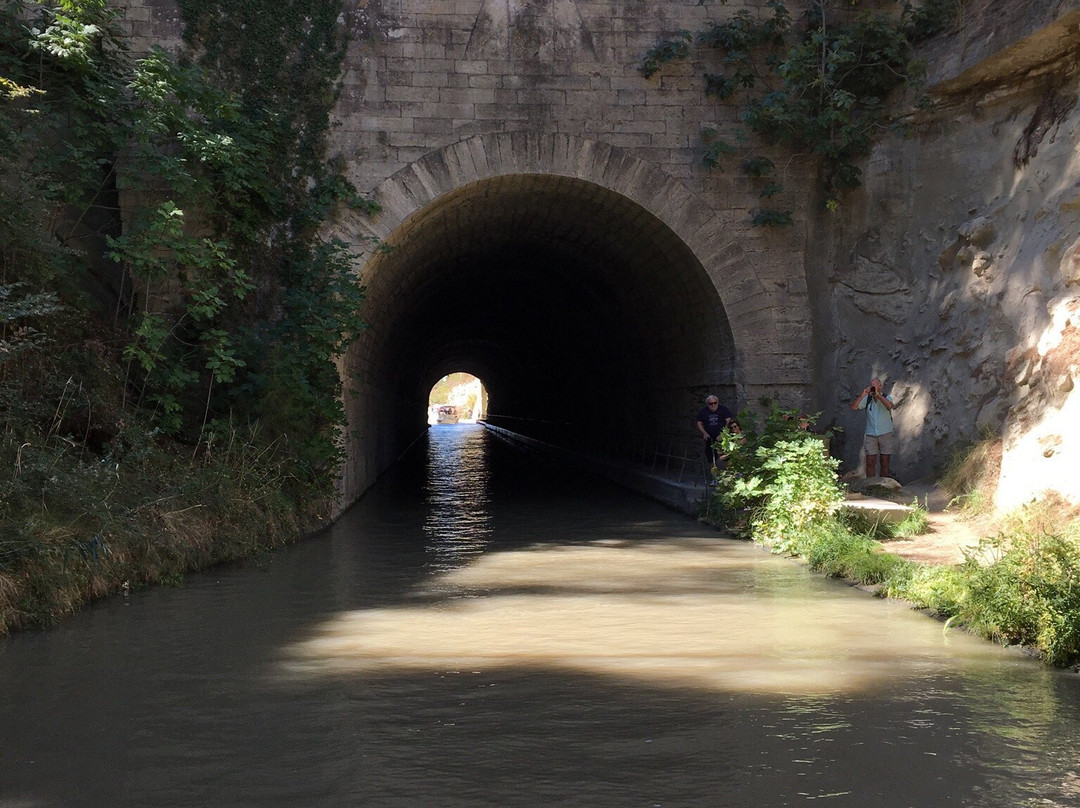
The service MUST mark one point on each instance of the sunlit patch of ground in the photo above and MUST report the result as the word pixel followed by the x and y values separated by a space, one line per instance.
pixel 710 614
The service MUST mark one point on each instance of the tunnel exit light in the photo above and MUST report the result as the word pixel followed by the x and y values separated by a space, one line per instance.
pixel 457 398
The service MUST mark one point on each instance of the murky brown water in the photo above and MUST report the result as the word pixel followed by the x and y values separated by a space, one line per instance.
pixel 486 630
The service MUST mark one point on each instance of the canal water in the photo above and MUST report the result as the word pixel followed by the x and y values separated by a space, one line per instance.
pixel 487 629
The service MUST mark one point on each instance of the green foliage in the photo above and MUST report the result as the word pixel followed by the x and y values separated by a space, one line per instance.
pixel 818 88
pixel 930 18
pixel 831 549
pixel 1030 594
pixel 915 523
pixel 715 148
pixel 668 51
pixel 940 588
pixel 1020 587
pixel 158 354
pixel 20 318
pixel 778 472
pixel 770 217
pixel 230 156
pixel 293 382
pixel 758 166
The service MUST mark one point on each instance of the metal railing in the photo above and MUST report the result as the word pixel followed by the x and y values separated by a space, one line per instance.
pixel 680 458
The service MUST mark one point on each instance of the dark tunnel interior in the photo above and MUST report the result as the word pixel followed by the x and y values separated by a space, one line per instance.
pixel 586 317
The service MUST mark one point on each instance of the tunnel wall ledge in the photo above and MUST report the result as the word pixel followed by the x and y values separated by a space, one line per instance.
pixel 684 498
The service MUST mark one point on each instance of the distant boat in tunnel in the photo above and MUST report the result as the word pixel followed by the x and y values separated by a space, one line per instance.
pixel 447 414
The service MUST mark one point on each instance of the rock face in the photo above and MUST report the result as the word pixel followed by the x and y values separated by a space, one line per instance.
pixel 954 273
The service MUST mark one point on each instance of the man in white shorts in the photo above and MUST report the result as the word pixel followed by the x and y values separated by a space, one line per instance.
pixel 879 439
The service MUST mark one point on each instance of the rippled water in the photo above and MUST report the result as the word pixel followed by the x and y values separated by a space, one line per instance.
pixel 486 629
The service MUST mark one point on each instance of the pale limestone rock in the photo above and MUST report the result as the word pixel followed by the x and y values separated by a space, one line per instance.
pixel 861 485
pixel 1042 458
pixel 1070 265
pixel 1042 438
pixel 979 231
pixel 1063 312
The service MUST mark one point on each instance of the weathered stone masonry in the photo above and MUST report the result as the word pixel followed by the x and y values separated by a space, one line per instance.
pixel 553 229
pixel 495 132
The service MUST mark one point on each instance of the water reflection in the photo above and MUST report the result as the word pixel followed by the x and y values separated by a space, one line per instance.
pixel 458 524
pixel 600 652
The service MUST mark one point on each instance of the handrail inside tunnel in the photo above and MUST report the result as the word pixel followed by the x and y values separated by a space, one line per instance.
pixel 670 470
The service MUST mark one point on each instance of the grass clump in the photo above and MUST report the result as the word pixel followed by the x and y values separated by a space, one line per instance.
pixel 75 526
pixel 1030 594
pixel 939 588
pixel 915 523
pixel 971 471
pixel 831 547
pixel 1020 586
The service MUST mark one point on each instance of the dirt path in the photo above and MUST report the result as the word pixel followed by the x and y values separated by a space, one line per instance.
pixel 950 534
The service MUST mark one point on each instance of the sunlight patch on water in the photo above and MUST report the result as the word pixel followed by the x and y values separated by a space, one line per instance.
pixel 706 614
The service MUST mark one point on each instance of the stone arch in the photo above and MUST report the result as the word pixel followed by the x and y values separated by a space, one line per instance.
pixel 754 311
pixel 750 313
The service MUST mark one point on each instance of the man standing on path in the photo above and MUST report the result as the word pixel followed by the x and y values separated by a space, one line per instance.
pixel 879 439
pixel 711 421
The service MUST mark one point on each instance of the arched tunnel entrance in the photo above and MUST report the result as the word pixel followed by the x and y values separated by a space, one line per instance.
pixel 590 321
pixel 459 396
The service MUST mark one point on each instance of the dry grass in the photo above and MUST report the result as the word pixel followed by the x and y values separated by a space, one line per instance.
pixel 970 477
pixel 1047 516
pixel 973 469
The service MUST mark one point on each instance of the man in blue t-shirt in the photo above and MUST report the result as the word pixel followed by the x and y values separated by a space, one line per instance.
pixel 879 439
pixel 711 421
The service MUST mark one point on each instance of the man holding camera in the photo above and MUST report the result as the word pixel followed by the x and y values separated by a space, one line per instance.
pixel 879 439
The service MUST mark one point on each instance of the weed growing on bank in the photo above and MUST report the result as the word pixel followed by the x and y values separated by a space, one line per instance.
pixel 171 309
pixel 75 527
pixel 915 523
pixel 1020 586
pixel 776 476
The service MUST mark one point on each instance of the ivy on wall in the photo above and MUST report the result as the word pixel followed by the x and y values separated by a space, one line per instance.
pixel 813 86
pixel 229 307
pixel 281 60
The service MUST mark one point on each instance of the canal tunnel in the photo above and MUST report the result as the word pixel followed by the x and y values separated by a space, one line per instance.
pixel 588 319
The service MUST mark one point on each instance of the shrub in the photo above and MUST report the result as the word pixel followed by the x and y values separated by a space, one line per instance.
pixel 814 86
pixel 1027 593
pixel 779 472
pixel 1030 595
pixel 940 588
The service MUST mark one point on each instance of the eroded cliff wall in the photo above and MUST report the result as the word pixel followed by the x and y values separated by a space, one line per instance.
pixel 954 273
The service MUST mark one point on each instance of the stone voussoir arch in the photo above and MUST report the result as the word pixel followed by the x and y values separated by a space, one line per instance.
pixel 755 316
